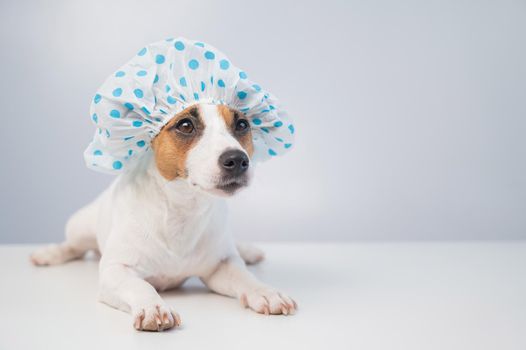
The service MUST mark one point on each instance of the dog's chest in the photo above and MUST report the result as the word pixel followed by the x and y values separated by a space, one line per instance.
pixel 186 244
pixel 172 267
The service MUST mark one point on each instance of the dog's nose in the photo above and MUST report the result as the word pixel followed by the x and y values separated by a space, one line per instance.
pixel 234 162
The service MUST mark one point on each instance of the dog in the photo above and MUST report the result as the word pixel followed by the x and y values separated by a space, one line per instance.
pixel 164 221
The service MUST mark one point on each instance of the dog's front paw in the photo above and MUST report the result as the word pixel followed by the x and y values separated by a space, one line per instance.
pixel 155 318
pixel 268 301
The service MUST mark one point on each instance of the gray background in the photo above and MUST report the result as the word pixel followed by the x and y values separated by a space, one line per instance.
pixel 411 115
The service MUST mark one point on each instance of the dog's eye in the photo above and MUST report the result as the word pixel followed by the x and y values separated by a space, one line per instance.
pixel 185 126
pixel 241 125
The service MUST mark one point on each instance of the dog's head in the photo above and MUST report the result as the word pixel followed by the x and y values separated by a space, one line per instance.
pixel 209 146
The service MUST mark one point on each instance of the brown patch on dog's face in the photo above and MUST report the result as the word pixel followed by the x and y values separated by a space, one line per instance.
pixel 176 139
pixel 238 126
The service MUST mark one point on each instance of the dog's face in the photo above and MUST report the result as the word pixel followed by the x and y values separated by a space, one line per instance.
pixel 208 145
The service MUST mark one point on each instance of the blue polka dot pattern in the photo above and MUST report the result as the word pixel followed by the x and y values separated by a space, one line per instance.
pixel 164 78
pixel 117 92
pixel 193 64
pixel 241 95
pixel 159 59
pixel 115 113
pixel 209 55
pixel 179 45
pixel 224 64
pixel 138 93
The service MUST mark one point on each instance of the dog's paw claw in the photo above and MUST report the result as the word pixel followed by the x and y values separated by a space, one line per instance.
pixel 156 318
pixel 269 302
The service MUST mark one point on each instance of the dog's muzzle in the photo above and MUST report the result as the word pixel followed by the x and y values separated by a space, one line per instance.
pixel 234 165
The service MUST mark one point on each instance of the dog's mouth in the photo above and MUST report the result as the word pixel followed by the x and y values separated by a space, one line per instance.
pixel 230 185
pixel 225 186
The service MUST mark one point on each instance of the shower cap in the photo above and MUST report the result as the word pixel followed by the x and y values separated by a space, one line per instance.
pixel 164 78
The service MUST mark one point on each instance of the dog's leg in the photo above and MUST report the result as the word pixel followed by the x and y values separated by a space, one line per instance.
pixel 80 237
pixel 123 289
pixel 250 253
pixel 232 278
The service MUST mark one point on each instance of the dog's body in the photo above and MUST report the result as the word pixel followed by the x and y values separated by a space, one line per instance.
pixel 162 222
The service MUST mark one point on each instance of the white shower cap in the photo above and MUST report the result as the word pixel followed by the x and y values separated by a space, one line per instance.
pixel 164 78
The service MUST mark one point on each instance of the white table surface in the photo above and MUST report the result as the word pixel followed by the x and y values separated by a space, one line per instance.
pixel 351 296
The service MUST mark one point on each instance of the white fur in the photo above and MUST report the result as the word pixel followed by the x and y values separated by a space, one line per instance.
pixel 153 234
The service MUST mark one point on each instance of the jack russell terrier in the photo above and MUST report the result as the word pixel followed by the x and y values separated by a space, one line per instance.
pixel 163 220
